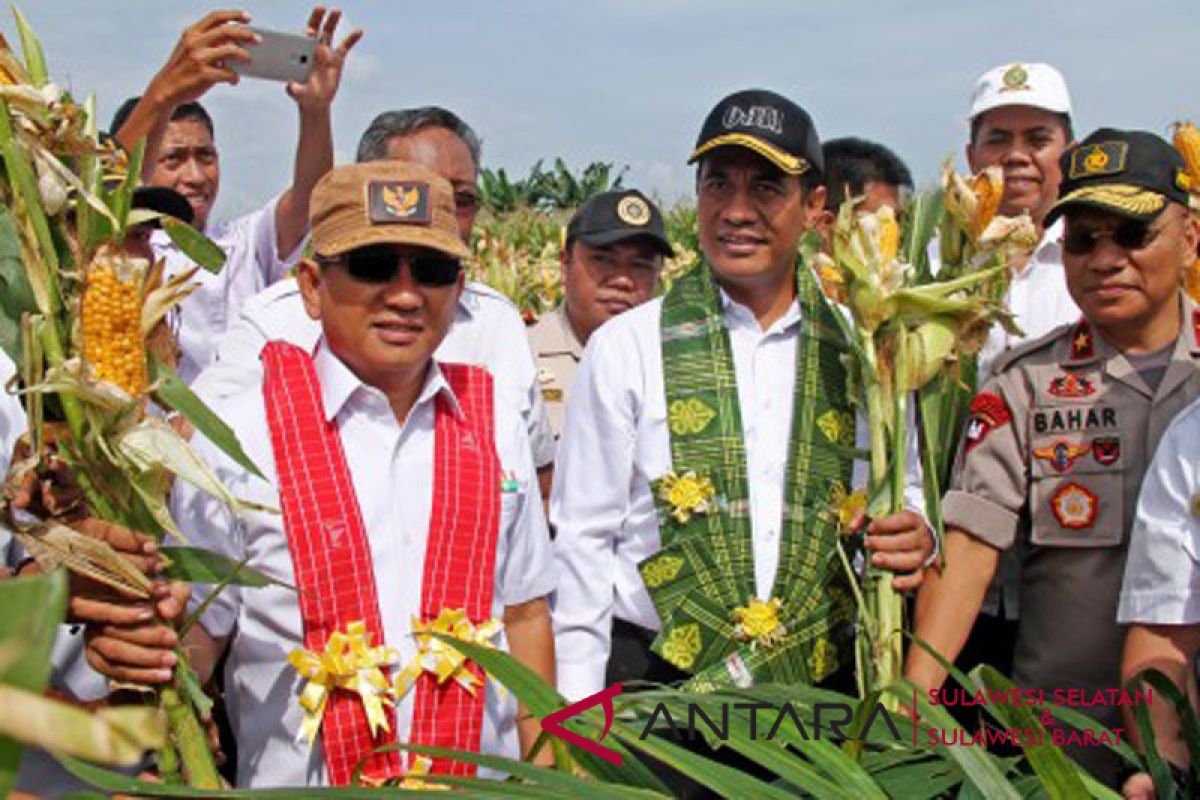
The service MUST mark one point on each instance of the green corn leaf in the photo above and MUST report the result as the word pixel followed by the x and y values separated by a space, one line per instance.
pixel 195 565
pixel 171 392
pixel 121 199
pixel 921 219
pixel 16 295
pixel 35 59
pixel 194 244
pixel 30 612
pixel 1060 778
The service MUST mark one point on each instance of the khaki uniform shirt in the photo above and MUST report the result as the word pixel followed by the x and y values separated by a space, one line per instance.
pixel 1053 456
pixel 557 352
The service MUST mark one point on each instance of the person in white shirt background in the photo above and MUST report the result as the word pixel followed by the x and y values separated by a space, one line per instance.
pixel 487 329
pixel 1020 120
pixel 181 154
pixel 381 320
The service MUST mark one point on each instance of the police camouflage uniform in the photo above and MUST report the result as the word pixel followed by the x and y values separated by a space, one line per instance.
pixel 1053 456
pixel 557 351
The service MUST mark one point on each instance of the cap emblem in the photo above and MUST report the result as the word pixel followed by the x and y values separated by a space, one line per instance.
pixel 390 202
pixel 1015 79
pixel 762 117
pixel 1102 158
pixel 633 210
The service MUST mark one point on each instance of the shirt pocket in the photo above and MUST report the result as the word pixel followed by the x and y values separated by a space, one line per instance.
pixel 1077 497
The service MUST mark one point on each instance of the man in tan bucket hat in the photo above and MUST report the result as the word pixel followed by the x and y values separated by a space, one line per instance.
pixel 409 504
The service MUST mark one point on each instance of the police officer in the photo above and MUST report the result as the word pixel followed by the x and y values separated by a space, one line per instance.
pixel 1059 438
pixel 611 262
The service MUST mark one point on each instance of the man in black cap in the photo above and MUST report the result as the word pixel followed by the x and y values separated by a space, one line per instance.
pixel 611 262
pixel 706 434
pixel 1060 436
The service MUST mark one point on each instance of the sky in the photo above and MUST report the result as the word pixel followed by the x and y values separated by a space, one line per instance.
pixel 630 81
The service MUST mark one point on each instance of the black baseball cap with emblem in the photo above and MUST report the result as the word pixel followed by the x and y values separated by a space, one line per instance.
pixel 1130 173
pixel 611 217
pixel 767 123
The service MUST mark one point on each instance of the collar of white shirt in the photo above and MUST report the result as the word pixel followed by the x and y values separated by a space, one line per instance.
pixel 741 316
pixel 339 384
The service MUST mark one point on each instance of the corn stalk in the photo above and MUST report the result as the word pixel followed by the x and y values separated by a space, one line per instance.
pixel 908 327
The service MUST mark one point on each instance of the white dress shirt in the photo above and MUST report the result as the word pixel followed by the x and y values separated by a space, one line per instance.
pixel 391 465
pixel 1162 573
pixel 487 331
pixel 616 441
pixel 252 263
pixel 1040 302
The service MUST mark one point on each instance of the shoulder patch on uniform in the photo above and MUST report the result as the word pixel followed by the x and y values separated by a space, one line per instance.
pixel 988 412
pixel 1006 359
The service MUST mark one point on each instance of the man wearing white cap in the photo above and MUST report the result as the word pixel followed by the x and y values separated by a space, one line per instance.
pixel 1020 121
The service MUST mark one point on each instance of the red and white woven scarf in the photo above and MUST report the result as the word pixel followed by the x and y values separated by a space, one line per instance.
pixel 332 558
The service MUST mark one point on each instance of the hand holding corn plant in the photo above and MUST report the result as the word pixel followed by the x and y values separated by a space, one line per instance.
pixel 907 327
pixel 84 320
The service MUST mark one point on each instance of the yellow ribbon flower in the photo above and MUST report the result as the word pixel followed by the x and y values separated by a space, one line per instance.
pixel 439 657
pixel 759 622
pixel 687 494
pixel 846 505
pixel 413 779
pixel 348 663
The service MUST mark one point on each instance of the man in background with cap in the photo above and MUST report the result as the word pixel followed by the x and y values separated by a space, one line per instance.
pixel 1020 121
pixel 408 479
pixel 611 262
pixel 706 431
pixel 1059 437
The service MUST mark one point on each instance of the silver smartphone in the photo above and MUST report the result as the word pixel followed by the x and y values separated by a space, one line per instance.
pixel 279 57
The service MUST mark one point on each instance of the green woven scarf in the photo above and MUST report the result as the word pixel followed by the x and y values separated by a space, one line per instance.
pixel 705 569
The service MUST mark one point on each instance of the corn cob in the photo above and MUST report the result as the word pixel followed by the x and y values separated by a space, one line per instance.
pixel 988 187
pixel 889 235
pixel 1187 142
pixel 112 323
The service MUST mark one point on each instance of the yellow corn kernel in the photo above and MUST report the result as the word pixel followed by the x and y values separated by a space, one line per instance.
pixel 889 235
pixel 1187 142
pixel 112 324
pixel 988 188
pixel 1191 281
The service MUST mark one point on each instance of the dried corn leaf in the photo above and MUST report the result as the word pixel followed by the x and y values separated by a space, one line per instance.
pixel 162 299
pixel 55 545
pixel 118 736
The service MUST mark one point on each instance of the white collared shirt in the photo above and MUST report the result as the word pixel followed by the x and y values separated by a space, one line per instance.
pixel 487 331
pixel 252 263
pixel 616 441
pixel 1162 573
pixel 391 466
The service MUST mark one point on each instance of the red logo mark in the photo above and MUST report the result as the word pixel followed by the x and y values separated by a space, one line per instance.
pixel 551 724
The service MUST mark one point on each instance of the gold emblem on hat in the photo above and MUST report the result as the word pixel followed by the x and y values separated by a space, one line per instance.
pixel 633 211
pixel 1096 160
pixel 1015 79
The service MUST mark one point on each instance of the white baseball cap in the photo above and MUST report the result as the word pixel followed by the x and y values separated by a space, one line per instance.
pixel 1021 84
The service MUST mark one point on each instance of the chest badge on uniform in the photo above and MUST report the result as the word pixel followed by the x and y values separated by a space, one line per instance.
pixel 1063 454
pixel 1071 385
pixel 988 412
pixel 1074 506
pixel 1107 450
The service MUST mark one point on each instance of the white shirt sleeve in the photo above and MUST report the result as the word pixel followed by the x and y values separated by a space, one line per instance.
pixel 588 507
pixel 209 524
pixel 528 569
pixel 1162 573
pixel 273 264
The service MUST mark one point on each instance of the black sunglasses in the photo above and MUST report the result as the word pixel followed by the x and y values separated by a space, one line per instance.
pixel 1130 235
pixel 381 264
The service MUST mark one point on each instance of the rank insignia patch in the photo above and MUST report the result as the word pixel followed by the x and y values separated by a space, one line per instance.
pixel 1082 345
pixel 1071 385
pixel 1196 505
pixel 1106 450
pixel 1196 327
pixel 1074 506
pixel 1063 454
pixel 988 412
